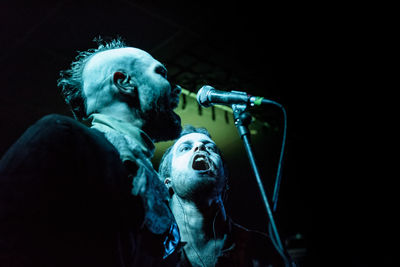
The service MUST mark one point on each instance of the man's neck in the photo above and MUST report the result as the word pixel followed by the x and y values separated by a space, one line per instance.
pixel 203 227
pixel 121 111
pixel 205 221
pixel 125 136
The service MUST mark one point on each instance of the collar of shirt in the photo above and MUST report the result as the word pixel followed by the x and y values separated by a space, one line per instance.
pixel 227 249
pixel 133 145
pixel 115 129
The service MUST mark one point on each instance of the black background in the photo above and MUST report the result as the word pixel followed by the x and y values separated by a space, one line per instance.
pixel 303 56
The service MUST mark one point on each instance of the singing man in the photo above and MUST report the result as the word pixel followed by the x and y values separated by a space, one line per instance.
pixel 196 176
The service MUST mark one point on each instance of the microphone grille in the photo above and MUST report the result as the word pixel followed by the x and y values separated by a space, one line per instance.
pixel 202 94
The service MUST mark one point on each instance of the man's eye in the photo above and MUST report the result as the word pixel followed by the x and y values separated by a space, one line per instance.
pixel 211 148
pixel 162 71
pixel 184 148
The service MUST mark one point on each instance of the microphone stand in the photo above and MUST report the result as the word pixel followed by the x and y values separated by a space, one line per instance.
pixel 242 119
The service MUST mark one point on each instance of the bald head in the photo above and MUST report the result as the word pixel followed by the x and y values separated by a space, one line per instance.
pixel 126 83
pixel 98 75
pixel 129 84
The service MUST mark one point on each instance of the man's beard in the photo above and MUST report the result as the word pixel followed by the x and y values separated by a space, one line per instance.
pixel 162 125
pixel 196 189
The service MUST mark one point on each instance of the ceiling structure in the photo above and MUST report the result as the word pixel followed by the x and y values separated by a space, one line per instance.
pixel 231 47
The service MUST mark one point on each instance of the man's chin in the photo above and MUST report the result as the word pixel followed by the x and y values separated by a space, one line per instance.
pixel 209 174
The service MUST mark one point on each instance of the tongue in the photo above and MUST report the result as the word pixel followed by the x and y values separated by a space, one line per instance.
pixel 200 165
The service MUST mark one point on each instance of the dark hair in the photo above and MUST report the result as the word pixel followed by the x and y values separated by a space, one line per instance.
pixel 70 80
pixel 164 167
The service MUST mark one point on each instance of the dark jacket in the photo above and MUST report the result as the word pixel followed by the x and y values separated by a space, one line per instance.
pixel 65 200
pixel 242 248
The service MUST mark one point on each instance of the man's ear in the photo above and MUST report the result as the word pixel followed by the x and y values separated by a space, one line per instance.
pixel 124 83
pixel 168 184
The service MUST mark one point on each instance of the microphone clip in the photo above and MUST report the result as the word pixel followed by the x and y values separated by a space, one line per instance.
pixel 242 119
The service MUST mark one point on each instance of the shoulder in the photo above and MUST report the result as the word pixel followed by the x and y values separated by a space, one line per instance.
pixel 56 132
pixel 55 124
pixel 257 244
pixel 243 233
pixel 58 121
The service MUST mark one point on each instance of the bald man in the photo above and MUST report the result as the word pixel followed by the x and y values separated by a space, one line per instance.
pixel 86 194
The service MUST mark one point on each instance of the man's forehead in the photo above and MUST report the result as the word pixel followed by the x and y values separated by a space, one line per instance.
pixel 193 137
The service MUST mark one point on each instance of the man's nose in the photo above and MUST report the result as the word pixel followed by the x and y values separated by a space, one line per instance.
pixel 199 147
pixel 175 92
pixel 176 89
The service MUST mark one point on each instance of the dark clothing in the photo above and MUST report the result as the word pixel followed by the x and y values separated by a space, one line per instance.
pixel 66 200
pixel 243 248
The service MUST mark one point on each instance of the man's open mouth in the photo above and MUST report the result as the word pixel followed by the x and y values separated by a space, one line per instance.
pixel 201 163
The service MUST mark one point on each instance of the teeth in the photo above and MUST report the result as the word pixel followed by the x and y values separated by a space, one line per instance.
pixel 201 163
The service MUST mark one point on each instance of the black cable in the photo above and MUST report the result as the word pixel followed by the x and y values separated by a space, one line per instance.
pixel 287 259
pixel 283 252
pixel 278 178
pixel 241 123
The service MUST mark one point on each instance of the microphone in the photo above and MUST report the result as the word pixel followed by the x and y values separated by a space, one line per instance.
pixel 208 96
